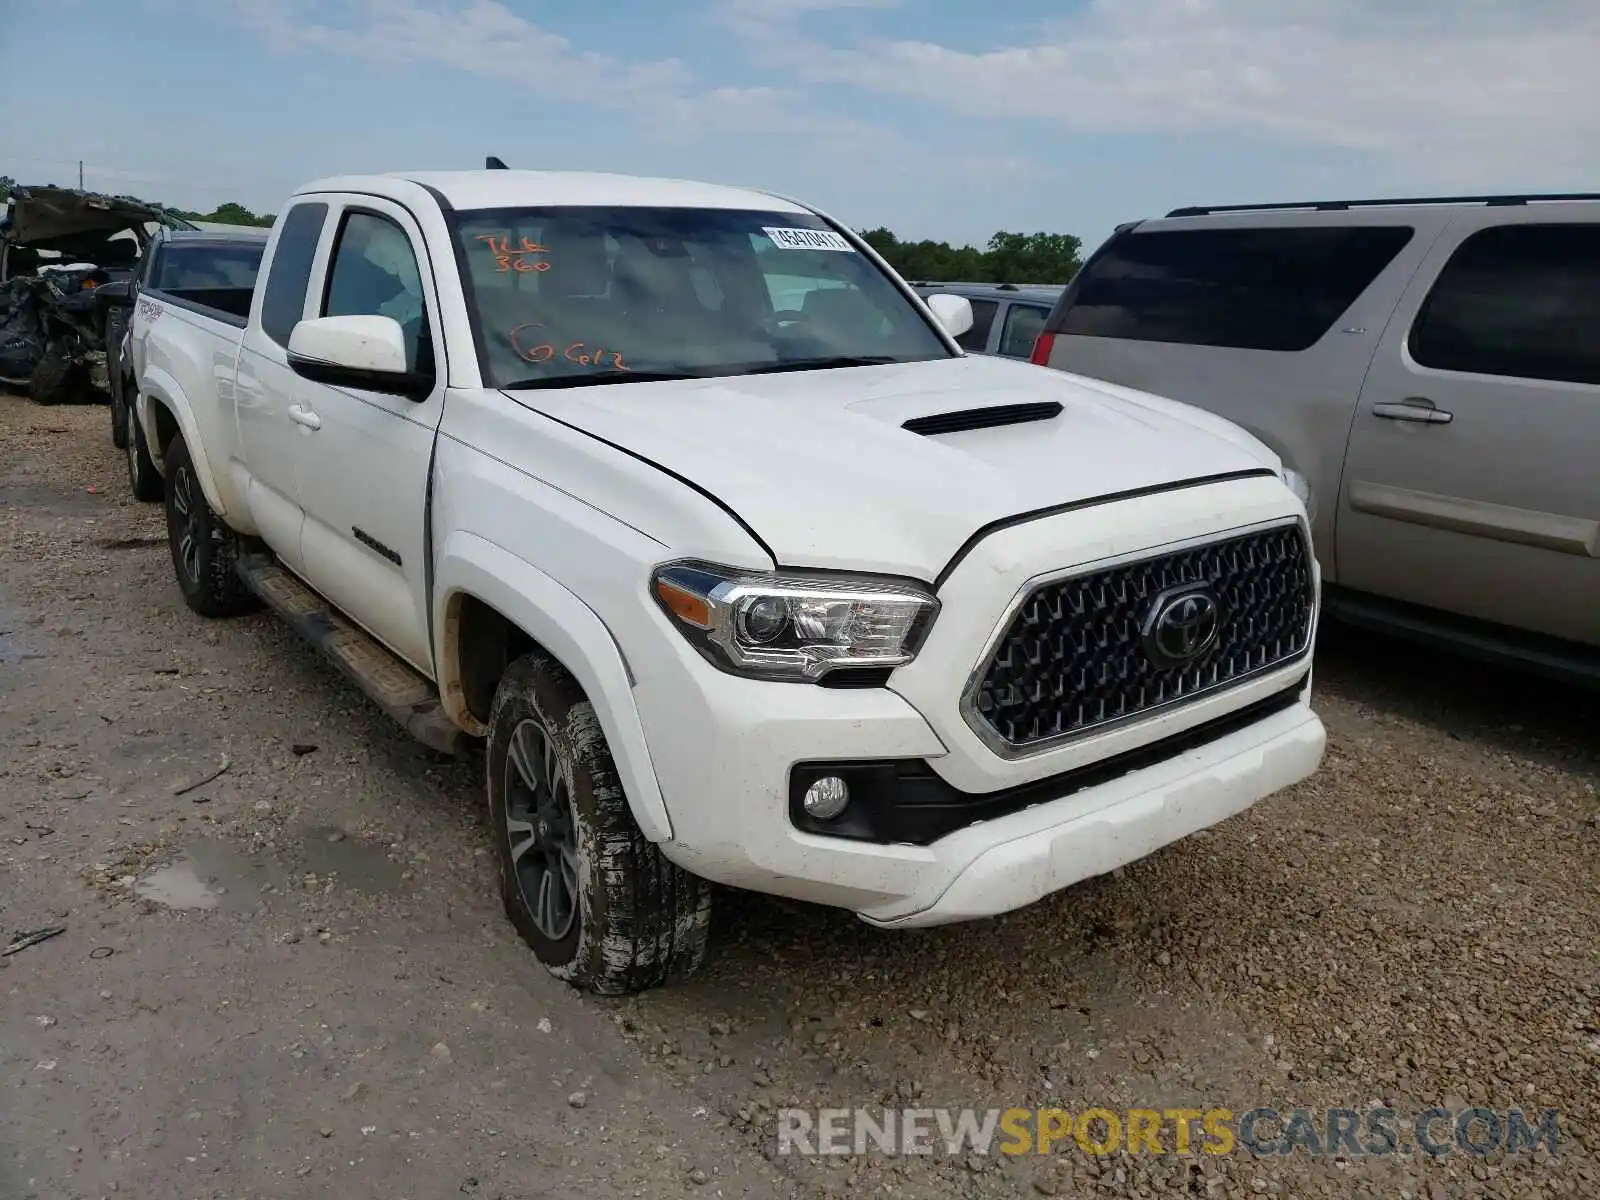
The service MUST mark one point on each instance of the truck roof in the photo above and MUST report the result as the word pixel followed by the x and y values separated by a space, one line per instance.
pixel 511 189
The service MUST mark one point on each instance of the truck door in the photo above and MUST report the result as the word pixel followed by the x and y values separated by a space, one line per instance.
pixel 1471 483
pixel 267 393
pixel 362 473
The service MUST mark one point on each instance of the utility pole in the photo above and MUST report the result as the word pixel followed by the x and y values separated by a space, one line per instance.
pixel 80 174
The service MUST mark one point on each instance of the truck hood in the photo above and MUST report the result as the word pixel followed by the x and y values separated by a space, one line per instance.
pixel 817 465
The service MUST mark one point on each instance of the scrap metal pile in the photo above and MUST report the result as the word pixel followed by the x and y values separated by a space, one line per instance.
pixel 53 334
pixel 58 248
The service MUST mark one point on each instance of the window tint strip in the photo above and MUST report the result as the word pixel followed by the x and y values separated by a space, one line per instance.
pixel 289 277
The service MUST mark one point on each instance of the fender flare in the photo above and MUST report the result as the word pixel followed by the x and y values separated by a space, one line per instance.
pixel 573 633
pixel 158 387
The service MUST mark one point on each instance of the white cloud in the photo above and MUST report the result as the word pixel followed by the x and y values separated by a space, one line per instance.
pixel 1473 88
pixel 486 38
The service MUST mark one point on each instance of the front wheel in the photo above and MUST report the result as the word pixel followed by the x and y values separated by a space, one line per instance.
pixel 598 904
pixel 205 552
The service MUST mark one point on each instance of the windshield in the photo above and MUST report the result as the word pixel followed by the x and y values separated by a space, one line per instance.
pixel 566 296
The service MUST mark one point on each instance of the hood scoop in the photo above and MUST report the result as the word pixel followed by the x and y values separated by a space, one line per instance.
pixel 965 419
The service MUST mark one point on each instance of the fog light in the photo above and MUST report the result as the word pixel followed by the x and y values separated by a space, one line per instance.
pixel 825 799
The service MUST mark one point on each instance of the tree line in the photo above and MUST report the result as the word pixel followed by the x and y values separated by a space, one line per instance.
pixel 228 214
pixel 1006 258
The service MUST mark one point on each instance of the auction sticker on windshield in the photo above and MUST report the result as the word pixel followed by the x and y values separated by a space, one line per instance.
pixel 808 239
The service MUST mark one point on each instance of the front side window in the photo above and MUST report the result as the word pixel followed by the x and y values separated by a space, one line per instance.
pixel 1251 289
pixel 374 273
pixel 1517 300
pixel 563 296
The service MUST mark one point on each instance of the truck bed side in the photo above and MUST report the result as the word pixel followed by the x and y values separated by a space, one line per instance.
pixel 194 302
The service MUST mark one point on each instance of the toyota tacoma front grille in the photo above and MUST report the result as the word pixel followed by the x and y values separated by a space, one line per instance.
pixel 1102 647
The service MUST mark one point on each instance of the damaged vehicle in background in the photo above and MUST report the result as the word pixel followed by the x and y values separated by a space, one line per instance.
pixel 67 259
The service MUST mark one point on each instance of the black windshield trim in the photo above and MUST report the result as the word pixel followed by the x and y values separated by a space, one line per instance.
pixel 835 363
pixel 552 383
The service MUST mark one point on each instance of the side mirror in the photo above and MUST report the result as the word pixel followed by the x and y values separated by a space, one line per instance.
pixel 367 352
pixel 953 312
pixel 119 292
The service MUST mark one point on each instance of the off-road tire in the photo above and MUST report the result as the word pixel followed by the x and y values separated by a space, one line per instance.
pixel 119 418
pixel 117 318
pixel 144 481
pixel 205 552
pixel 119 411
pixel 55 379
pixel 641 921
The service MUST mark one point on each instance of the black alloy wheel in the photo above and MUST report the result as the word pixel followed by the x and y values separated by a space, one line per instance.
pixel 541 831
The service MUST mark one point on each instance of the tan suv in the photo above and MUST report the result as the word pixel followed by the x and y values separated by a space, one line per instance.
pixel 1431 367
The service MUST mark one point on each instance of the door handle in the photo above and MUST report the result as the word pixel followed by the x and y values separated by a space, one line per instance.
pixel 1414 408
pixel 304 416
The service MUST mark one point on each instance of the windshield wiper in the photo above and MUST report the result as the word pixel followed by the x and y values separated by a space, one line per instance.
pixel 823 364
pixel 591 378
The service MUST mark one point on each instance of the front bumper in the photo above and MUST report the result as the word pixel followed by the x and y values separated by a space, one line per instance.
pixel 724 748
pixel 736 828
pixel 1002 865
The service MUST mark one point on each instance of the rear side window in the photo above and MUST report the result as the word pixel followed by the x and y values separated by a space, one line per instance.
pixel 1250 289
pixel 284 301
pixel 1518 300
pixel 976 339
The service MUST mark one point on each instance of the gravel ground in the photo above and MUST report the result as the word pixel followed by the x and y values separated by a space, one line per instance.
pixel 296 976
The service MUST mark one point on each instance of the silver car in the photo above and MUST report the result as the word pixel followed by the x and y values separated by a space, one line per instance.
pixel 1431 367
pixel 1006 317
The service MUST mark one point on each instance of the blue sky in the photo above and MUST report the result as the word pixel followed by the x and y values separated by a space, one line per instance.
pixel 937 118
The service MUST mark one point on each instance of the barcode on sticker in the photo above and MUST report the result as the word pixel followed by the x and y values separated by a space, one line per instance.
pixel 808 239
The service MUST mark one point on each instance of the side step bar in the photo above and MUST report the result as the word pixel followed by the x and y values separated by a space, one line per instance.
pixel 402 693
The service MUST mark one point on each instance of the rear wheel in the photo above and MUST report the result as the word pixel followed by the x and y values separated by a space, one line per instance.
pixel 599 905
pixel 119 418
pixel 119 411
pixel 205 552
pixel 143 479
pixel 56 379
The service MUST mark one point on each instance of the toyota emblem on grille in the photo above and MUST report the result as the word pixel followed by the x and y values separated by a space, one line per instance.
pixel 1182 625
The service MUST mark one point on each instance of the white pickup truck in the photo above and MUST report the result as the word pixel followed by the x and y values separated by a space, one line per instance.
pixel 685 503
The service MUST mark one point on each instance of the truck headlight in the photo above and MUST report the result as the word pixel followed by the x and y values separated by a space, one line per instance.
pixel 791 625
pixel 1300 486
